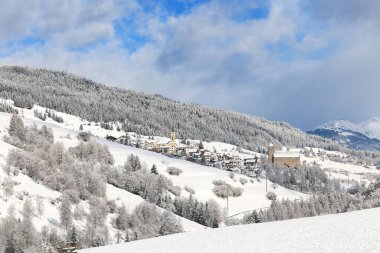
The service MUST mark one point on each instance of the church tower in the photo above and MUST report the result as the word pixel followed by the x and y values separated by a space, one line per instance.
pixel 172 137
pixel 270 154
pixel 172 144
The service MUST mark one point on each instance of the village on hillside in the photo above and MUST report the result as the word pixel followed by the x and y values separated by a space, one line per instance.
pixel 248 163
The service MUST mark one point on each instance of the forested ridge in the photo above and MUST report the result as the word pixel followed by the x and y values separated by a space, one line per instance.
pixel 143 113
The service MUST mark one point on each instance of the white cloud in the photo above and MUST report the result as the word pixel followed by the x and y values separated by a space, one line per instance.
pixel 293 65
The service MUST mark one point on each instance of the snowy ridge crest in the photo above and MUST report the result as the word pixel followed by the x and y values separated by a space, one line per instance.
pixel 370 128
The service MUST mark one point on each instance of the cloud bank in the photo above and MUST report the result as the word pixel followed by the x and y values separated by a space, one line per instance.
pixel 304 62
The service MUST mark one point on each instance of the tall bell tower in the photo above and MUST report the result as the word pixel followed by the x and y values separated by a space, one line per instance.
pixel 172 137
pixel 270 154
pixel 172 144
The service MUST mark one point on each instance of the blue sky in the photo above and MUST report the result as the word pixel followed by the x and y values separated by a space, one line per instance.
pixel 300 61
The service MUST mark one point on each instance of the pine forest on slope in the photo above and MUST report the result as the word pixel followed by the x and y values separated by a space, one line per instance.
pixel 143 113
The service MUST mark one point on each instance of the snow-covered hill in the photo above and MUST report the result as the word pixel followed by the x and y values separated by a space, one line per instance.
pixel 347 232
pixel 361 136
pixel 197 177
pixel 143 113
pixel 26 188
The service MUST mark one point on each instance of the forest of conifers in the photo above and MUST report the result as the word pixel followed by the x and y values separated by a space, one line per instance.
pixel 143 113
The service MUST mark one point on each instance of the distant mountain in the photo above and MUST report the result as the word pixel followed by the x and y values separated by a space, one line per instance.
pixel 361 136
pixel 372 127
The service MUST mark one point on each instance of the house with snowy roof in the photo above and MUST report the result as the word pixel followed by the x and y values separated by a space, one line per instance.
pixel 283 158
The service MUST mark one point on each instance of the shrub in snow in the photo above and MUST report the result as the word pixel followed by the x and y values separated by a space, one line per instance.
pixel 231 175
pixel 84 136
pixel 79 213
pixel 189 189
pixel 355 187
pixel 73 195
pixel 174 171
pixel 147 221
pixel 252 181
pixel 112 206
pixel 8 186
pixel 232 222
pixel 219 182
pixel 243 180
pixel 271 196
pixel 222 191
pixel 253 217
pixel 175 190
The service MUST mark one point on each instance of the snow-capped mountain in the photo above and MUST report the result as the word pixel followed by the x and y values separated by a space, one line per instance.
pixel 363 136
pixel 371 127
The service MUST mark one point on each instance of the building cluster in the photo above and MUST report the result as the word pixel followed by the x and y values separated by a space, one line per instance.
pixel 223 160
pixel 226 161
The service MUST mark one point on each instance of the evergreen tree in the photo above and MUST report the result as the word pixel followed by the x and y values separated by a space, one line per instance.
pixel 16 127
pixel 72 236
pixel 65 212
pixel 122 218
pixel 154 169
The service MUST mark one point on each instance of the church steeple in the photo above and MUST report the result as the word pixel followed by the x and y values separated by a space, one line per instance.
pixel 270 154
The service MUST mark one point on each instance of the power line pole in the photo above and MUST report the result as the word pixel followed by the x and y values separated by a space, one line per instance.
pixel 266 178
pixel 227 198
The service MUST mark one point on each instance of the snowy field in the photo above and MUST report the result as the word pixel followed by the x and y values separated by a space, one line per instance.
pixel 348 232
pixel 25 187
pixel 343 171
pixel 195 176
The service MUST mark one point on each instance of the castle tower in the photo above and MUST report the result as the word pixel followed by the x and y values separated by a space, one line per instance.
pixel 270 154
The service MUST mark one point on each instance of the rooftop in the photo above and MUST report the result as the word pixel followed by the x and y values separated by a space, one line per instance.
pixel 286 154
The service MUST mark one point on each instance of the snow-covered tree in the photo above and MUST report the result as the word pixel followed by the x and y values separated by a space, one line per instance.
pixel 66 215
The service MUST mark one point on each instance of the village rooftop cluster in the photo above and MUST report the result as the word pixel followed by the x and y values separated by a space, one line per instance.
pixel 194 151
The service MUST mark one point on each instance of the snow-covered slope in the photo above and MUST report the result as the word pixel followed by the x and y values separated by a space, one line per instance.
pixel 347 232
pixel 200 178
pixel 340 165
pixel 26 187
pixel 196 176
pixel 364 135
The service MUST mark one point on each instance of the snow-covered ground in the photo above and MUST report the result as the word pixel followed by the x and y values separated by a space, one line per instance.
pixel 347 232
pixel 195 176
pixel 200 179
pixel 345 171
pixel 25 187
